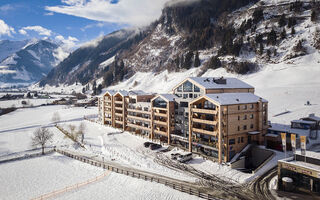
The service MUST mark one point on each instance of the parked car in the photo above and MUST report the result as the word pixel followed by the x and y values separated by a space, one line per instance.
pixel 184 158
pixel 147 144
pixel 174 156
pixel 154 146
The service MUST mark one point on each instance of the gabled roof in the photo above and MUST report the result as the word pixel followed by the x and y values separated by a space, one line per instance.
pixel 110 92
pixel 123 93
pixel 234 98
pixel 166 97
pixel 137 92
pixel 217 83
pixel 312 117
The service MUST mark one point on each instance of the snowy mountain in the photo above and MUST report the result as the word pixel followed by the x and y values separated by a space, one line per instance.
pixel 92 59
pixel 30 63
pixel 8 47
pixel 239 36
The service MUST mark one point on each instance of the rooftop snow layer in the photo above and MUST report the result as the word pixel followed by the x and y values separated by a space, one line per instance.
pixel 169 97
pixel 234 98
pixel 211 82
pixel 303 121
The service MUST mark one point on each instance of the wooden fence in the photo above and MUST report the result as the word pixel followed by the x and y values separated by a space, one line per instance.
pixel 186 188
pixel 72 187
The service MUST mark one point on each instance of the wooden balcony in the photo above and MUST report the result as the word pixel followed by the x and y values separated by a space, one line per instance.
pixel 118 102
pixel 160 114
pixel 118 114
pixel 118 122
pixel 160 122
pixel 108 119
pixel 160 132
pixel 205 111
pixel 157 108
pixel 139 111
pixel 138 127
pixel 107 101
pixel 138 118
pixel 118 108
pixel 203 121
pixel 197 130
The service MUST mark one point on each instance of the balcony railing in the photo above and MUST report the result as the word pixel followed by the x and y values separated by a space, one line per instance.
pixel 160 114
pixel 118 114
pixel 138 111
pixel 139 118
pixel 118 108
pixel 160 132
pixel 118 122
pixel 207 132
pixel 118 102
pixel 205 111
pixel 203 121
pixel 138 127
pixel 160 122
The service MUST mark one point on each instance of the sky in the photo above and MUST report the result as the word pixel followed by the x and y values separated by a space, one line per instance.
pixel 73 22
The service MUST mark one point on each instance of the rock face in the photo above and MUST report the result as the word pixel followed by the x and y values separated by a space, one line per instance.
pixel 32 62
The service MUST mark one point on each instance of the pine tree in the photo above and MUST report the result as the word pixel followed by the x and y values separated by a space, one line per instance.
pixel 282 20
pixel 261 49
pixel 197 62
pixel 293 31
pixel 283 34
pixel 313 16
pixel 215 62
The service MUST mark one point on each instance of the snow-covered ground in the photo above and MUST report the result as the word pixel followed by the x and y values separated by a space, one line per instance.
pixel 17 127
pixel 32 178
pixel 30 102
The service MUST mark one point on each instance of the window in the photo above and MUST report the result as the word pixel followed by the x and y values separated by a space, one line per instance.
pixel 251 126
pixel 179 88
pixel 238 140
pixel 245 127
pixel 196 89
pixel 244 117
pixel 187 86
pixel 238 107
pixel 251 106
pixel 239 118
pixel 190 95
pixel 232 141
pixel 244 107
pixel 208 105
pixel 184 104
pixel 251 116
pixel 195 95
pixel 185 96
pixel 242 140
pixel 238 128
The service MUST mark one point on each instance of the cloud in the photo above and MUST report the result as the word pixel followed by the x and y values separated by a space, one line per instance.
pixel 130 12
pixel 39 29
pixel 99 24
pixel 67 43
pixel 48 14
pixel 6 8
pixel 5 29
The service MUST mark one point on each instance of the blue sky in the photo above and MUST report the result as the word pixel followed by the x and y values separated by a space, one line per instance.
pixel 73 21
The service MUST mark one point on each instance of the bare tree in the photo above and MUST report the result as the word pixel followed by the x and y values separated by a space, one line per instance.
pixel 41 136
pixel 81 130
pixel 55 117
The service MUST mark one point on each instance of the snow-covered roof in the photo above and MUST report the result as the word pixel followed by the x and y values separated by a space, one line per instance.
pixel 272 135
pixel 211 82
pixel 168 97
pixel 303 121
pixel 288 129
pixel 310 154
pixel 312 117
pixel 137 92
pixel 234 98
pixel 123 92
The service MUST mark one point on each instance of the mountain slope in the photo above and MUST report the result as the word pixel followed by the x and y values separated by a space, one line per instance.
pixel 29 64
pixel 8 47
pixel 87 62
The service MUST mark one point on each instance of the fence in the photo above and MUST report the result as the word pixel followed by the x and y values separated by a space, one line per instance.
pixel 26 156
pixel 69 135
pixel 75 186
pixel 182 187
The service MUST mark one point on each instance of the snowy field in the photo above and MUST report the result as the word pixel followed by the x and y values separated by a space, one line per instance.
pixel 54 172
pixel 17 127
pixel 30 102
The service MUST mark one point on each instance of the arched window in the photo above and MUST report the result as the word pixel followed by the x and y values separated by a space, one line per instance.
pixel 187 86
